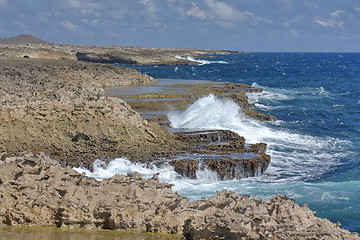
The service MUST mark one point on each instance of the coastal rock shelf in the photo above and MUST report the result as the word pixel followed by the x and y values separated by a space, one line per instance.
pixel 36 191
pixel 223 152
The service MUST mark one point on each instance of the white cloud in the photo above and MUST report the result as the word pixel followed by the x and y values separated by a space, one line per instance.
pixel 93 22
pixel 257 19
pixel 69 25
pixel 333 21
pixel 357 8
pixel 150 8
pixel 330 23
pixel 83 4
pixel 227 16
pixel 224 12
pixel 337 13
pixel 196 12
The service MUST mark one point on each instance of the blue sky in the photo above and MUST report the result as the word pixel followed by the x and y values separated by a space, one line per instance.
pixel 248 25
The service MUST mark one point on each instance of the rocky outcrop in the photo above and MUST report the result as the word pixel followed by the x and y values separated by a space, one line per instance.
pixel 103 58
pixel 35 190
pixel 58 107
pixel 223 152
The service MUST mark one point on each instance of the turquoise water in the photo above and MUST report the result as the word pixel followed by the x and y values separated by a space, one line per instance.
pixel 315 143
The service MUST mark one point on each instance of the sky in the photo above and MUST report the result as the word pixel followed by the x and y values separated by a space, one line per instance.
pixel 243 25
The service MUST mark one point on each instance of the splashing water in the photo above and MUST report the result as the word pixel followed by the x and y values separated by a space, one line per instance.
pixel 314 146
pixel 294 156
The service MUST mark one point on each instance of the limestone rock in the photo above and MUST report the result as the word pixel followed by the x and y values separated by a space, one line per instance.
pixel 35 190
pixel 58 107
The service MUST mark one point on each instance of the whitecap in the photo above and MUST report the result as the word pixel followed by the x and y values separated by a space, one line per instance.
pixel 201 61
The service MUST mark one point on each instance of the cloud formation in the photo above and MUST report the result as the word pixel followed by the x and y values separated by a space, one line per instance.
pixel 333 21
pixel 150 7
pixel 69 26
pixel 238 24
pixel 223 12
pixel 83 4
pixel 196 12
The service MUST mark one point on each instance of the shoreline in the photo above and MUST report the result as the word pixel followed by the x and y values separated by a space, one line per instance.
pixel 54 195
pixel 65 111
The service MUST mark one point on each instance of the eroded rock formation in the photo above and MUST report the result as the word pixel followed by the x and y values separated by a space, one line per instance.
pixel 58 107
pixel 35 190
pixel 223 152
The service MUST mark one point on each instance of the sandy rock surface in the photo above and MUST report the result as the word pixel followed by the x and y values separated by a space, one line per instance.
pixel 35 190
pixel 59 107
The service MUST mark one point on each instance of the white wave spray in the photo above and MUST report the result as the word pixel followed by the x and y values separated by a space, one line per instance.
pixel 201 61
pixel 294 156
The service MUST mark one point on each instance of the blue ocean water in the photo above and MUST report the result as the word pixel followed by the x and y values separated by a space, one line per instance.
pixel 314 144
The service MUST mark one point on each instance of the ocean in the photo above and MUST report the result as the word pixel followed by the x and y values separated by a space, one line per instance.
pixel 314 145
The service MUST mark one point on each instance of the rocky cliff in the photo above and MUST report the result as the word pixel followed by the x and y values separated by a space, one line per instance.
pixel 35 190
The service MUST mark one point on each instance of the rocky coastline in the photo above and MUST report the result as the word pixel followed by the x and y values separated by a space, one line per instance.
pixel 37 49
pixel 36 190
pixel 55 115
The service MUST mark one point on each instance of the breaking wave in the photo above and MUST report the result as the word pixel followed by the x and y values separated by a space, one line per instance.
pixel 294 156
pixel 201 61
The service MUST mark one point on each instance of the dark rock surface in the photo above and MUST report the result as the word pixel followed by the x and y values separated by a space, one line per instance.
pixel 104 58
pixel 222 151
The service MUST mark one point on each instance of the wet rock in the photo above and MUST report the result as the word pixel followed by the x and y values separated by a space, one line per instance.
pixel 186 168
pixel 221 151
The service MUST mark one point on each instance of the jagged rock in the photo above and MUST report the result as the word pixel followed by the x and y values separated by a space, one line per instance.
pixel 223 152
pixel 185 167
pixel 35 190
